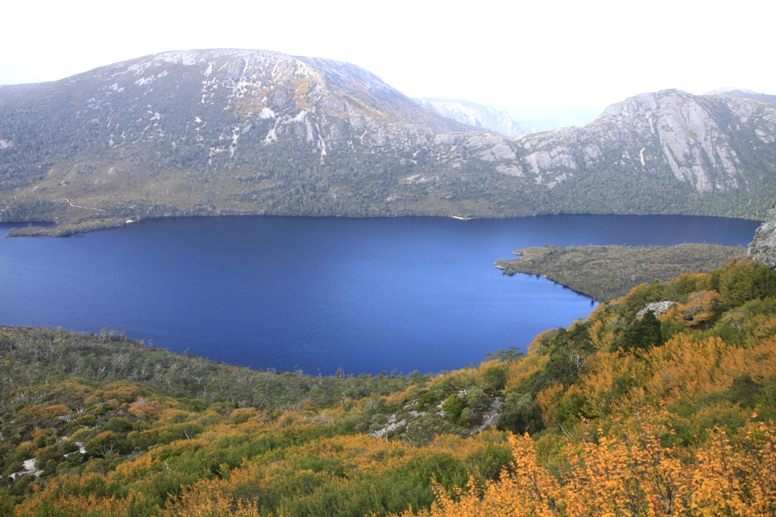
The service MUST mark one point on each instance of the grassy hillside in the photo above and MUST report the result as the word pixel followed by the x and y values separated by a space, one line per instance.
pixel 608 272
pixel 626 413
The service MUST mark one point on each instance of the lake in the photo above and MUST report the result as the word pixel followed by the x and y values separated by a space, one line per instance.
pixel 318 294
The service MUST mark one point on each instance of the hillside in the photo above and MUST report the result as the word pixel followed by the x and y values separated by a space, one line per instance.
pixel 217 132
pixel 627 412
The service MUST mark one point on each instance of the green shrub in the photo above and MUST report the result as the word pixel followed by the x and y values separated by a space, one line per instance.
pixel 477 399
pixel 118 425
pixel 739 283
pixel 495 378
pixel 520 414
pixel 453 407
pixel 642 333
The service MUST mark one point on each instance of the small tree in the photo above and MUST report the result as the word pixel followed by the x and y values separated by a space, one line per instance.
pixel 642 334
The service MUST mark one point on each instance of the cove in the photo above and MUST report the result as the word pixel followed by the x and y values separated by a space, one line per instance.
pixel 318 294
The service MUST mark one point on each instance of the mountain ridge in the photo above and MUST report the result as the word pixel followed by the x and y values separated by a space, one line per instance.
pixel 233 132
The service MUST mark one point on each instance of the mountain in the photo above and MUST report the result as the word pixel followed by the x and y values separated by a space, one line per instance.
pixel 218 132
pixel 668 150
pixel 744 94
pixel 477 115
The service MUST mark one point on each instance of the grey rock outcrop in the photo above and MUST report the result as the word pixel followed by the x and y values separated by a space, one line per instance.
pixel 657 308
pixel 763 246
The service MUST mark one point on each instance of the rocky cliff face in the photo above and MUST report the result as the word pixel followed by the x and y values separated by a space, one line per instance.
pixel 763 246
pixel 705 142
pixel 257 132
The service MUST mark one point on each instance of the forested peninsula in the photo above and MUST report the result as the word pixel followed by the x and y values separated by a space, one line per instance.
pixel 608 272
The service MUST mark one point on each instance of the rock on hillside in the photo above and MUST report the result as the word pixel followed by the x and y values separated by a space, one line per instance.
pixel 763 246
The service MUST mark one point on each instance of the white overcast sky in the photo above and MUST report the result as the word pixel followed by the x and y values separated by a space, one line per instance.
pixel 539 52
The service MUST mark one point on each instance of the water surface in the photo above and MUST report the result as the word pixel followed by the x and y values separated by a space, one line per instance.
pixel 317 294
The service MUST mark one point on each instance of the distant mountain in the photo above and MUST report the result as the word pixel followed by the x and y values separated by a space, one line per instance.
pixel 255 132
pixel 744 94
pixel 546 118
pixel 477 115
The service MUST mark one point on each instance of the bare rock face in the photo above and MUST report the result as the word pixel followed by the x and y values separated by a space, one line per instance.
pixel 692 136
pixel 763 247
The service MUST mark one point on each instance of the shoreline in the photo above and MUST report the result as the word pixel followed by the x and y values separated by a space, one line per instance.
pixel 510 272
pixel 68 228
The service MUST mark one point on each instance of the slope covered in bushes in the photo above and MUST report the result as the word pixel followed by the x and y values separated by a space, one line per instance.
pixel 660 402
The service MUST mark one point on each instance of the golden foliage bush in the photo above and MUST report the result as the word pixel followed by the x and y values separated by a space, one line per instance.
pixel 702 307
pixel 630 473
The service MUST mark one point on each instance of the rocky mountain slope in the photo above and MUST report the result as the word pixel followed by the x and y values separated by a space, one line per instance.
pixel 763 246
pixel 477 115
pixel 255 132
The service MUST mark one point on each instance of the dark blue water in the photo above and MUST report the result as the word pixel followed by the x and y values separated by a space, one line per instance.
pixel 318 294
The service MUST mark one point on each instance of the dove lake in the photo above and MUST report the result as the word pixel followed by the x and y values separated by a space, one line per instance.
pixel 319 294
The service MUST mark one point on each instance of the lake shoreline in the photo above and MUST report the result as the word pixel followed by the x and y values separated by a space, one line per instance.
pixel 68 228
pixel 511 272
